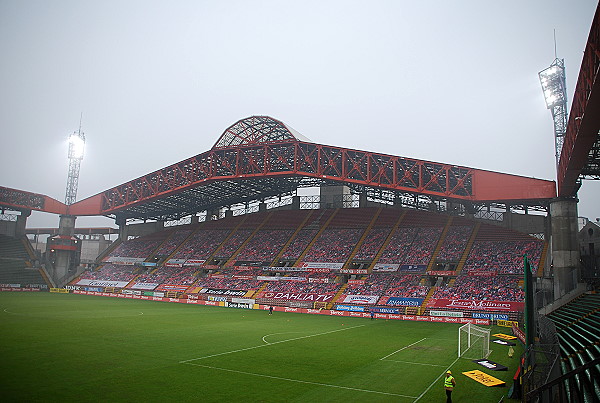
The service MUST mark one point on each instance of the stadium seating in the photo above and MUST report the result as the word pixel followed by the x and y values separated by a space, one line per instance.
pixel 334 245
pixel 202 244
pixel 264 245
pixel 300 242
pixel 495 288
pixel 372 243
pixel 454 243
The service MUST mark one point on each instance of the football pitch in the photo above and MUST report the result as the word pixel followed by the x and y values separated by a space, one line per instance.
pixel 67 347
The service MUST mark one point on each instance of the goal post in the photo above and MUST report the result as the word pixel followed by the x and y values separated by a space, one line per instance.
pixel 473 342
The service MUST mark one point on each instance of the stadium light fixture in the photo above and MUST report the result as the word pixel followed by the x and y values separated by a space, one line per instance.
pixel 76 151
pixel 553 84
pixel 76 145
pixel 555 94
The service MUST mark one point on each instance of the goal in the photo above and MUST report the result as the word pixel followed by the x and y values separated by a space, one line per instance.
pixel 473 342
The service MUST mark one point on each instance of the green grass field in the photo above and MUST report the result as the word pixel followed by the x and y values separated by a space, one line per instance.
pixel 66 347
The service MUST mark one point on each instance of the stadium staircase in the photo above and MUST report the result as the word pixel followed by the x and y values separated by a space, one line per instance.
pixel 192 233
pixel 465 255
pixel 578 330
pixel 109 250
pixel 317 235
pixel 275 261
pixel 387 241
pixel 339 293
pixel 260 289
pixel 438 247
pixel 151 256
pixel 423 306
pixel 362 238
pixel 231 260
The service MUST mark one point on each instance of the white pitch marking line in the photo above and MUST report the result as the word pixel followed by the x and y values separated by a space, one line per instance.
pixel 273 334
pixel 270 344
pixel 301 381
pixel 436 379
pixel 416 363
pixel 403 348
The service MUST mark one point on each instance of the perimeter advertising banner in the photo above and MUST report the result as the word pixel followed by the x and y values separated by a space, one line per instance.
pixel 332 312
pixel 291 296
pixel 321 265
pixel 144 286
pixel 103 283
pixel 397 301
pixel 361 299
pixel 508 306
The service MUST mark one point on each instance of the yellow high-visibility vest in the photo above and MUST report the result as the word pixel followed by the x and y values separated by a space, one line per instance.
pixel 448 382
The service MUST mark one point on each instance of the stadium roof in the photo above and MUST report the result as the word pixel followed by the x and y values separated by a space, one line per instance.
pixel 257 130
pixel 260 157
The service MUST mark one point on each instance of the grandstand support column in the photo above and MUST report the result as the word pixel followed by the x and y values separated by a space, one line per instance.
pixel 362 200
pixel 565 247
pixel 22 222
pixel 262 207
pixel 296 203
pixel 64 259
pixel 329 195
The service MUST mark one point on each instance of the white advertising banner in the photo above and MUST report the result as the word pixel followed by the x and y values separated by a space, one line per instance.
pixel 322 265
pixel 103 283
pixel 361 299
pixel 144 286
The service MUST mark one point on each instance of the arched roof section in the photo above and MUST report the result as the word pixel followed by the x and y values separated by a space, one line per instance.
pixel 257 130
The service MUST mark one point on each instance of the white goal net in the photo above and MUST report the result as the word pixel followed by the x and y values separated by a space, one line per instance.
pixel 473 342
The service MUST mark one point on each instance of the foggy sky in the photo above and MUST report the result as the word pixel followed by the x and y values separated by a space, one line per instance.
pixel 158 82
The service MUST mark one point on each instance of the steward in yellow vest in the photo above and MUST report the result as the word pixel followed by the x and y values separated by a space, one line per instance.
pixel 449 384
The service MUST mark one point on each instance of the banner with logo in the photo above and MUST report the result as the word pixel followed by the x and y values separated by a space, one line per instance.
pixel 397 301
pixel 219 291
pixel 291 296
pixel 349 308
pixel 194 262
pixel 383 267
pixel 446 313
pixel 413 267
pixel 509 306
pixel 103 283
pixel 361 299
pixel 322 265
pixel 144 286
pixel 492 316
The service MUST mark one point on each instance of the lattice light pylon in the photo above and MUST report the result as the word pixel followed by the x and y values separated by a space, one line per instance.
pixel 555 94
pixel 76 151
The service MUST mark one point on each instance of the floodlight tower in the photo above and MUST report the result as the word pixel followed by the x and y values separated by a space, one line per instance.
pixel 555 93
pixel 76 149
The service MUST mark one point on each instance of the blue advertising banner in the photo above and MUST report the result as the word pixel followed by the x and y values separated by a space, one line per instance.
pixel 413 267
pixel 349 308
pixel 385 310
pixel 492 316
pixel 396 301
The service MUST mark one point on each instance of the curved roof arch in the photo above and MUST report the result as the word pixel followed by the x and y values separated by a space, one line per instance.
pixel 261 157
pixel 256 130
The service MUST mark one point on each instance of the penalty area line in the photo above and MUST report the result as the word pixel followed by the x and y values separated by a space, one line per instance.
pixel 403 348
pixel 301 381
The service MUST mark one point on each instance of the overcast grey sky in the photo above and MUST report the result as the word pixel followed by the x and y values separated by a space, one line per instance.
pixel 159 81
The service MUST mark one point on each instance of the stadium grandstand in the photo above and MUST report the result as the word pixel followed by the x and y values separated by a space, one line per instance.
pixel 404 238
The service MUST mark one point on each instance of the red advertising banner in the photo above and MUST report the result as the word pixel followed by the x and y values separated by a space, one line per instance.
pixel 441 319
pixel 508 306
pixel 441 273
pixel 292 296
pixel 484 273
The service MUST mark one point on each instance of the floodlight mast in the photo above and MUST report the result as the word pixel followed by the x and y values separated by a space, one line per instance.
pixel 555 94
pixel 76 151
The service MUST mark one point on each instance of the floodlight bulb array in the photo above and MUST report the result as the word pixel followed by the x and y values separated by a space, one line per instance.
pixel 76 146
